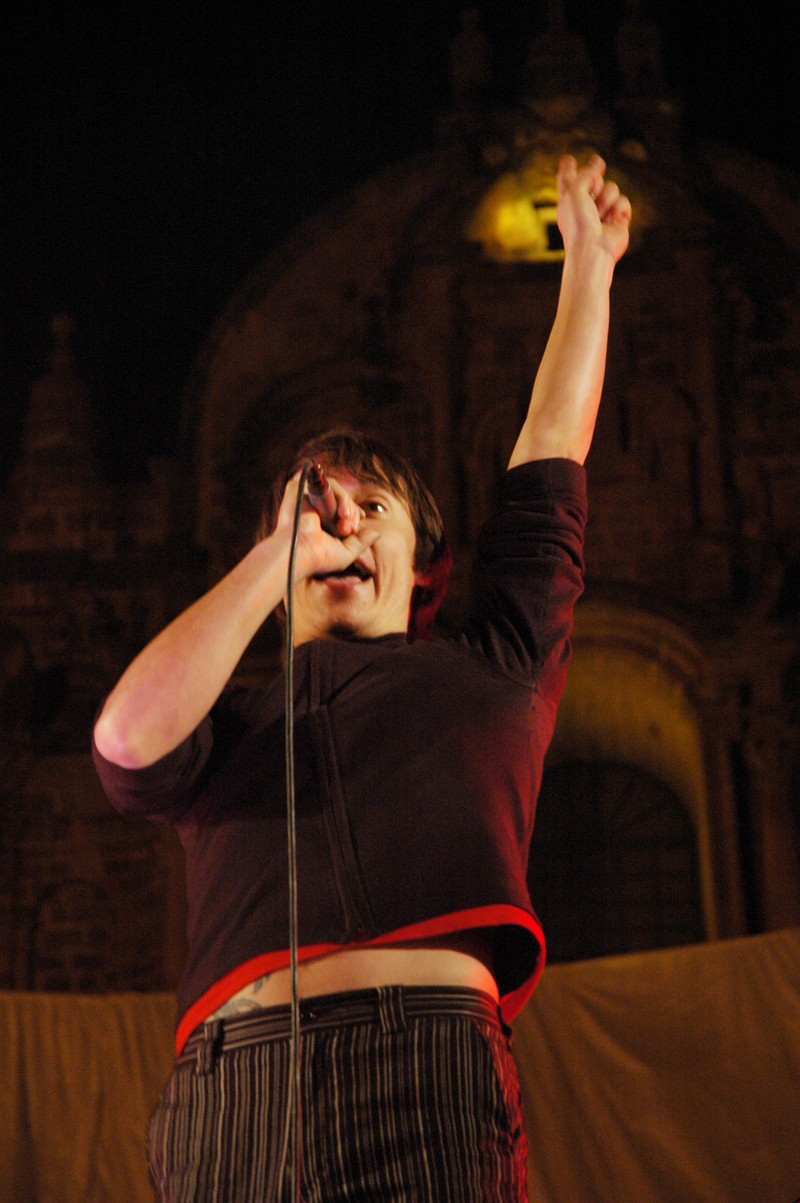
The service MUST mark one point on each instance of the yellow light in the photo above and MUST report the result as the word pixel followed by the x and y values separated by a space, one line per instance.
pixel 516 220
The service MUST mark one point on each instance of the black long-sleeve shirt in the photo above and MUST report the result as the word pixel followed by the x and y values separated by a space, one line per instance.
pixel 417 768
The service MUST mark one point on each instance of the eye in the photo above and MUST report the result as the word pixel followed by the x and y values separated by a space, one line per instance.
pixel 374 506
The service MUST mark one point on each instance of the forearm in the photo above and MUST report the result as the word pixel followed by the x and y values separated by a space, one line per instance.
pixel 593 218
pixel 173 683
pixel 566 394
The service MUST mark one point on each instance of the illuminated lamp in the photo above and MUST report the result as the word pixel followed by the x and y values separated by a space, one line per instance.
pixel 516 219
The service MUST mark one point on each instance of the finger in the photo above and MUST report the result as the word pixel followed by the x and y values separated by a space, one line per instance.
pixel 289 499
pixel 348 515
pixel 607 198
pixel 360 542
pixel 351 547
pixel 567 173
pixel 592 175
pixel 620 211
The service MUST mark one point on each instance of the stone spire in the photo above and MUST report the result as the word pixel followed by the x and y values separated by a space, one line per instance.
pixel 58 416
pixel 49 493
pixel 558 81
pixel 648 114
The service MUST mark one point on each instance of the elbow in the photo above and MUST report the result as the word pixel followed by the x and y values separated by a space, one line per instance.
pixel 114 739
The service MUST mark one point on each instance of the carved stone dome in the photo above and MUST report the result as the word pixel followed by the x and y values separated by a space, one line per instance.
pixel 395 310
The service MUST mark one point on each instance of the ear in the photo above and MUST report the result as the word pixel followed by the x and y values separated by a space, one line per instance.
pixel 427 594
pixel 423 607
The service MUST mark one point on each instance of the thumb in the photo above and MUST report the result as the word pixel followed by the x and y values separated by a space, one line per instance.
pixel 567 173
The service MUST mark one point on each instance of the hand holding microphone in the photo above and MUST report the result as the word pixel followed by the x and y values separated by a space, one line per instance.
pixel 338 515
pixel 322 498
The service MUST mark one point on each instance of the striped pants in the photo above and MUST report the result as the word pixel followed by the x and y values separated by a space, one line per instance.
pixel 408 1095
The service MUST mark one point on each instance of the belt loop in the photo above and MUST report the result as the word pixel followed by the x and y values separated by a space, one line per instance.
pixel 506 1030
pixel 208 1046
pixel 391 1011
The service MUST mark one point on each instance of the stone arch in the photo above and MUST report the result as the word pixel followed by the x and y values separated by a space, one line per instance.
pixel 641 693
pixel 70 937
pixel 614 864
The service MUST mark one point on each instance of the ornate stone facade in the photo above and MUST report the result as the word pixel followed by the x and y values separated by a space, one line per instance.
pixel 90 572
pixel 383 312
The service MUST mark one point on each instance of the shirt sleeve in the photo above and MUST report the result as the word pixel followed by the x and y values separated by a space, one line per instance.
pixel 162 790
pixel 529 571
pixel 166 789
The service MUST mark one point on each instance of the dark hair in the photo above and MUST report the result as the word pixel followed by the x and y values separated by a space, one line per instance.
pixel 370 459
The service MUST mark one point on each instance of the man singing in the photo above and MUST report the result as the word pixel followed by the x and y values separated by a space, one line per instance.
pixel 417 766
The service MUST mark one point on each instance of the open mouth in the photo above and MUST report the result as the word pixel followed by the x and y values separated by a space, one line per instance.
pixel 354 571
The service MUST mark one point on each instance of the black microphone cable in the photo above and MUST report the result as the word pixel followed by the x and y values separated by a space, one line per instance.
pixel 290 1157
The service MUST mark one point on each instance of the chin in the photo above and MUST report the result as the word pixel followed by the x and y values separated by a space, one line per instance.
pixel 344 630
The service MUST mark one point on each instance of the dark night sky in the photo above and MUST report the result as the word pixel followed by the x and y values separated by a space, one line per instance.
pixel 150 162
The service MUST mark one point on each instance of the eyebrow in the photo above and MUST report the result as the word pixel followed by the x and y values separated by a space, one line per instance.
pixel 378 487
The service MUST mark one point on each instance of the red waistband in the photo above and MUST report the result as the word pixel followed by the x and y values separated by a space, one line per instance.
pixel 499 915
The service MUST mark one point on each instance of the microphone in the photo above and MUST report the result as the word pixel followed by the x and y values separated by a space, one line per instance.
pixel 322 498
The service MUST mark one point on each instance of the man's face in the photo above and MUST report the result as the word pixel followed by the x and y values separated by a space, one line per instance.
pixel 372 597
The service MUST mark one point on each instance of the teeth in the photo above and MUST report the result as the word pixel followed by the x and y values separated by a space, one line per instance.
pixel 356 570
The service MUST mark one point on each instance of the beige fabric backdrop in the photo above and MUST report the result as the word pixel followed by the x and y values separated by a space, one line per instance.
pixel 666 1077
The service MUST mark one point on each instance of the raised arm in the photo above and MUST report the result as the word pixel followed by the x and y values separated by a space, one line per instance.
pixel 173 683
pixel 593 218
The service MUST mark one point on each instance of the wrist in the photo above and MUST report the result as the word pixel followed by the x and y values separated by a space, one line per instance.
pixel 263 572
pixel 588 267
pixel 274 552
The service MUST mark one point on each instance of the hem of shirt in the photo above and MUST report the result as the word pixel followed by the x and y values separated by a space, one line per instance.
pixel 498 915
